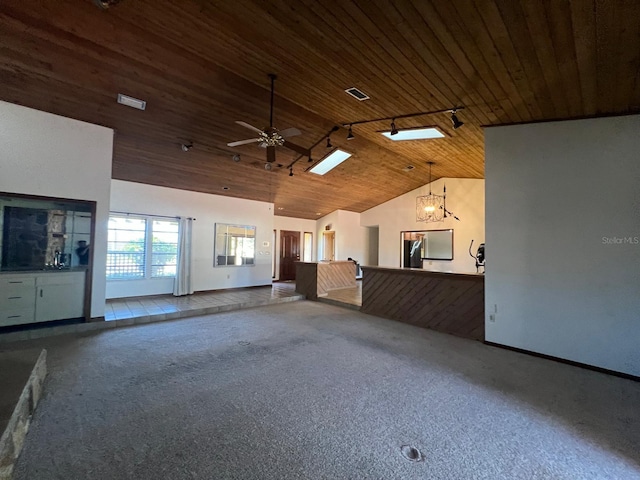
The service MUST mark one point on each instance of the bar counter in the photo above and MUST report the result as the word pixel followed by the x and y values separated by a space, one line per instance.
pixel 447 302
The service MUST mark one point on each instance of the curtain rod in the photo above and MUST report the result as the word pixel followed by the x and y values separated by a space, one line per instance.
pixel 149 215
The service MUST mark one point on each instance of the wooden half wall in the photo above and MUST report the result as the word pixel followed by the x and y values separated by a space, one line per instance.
pixel 447 302
pixel 315 279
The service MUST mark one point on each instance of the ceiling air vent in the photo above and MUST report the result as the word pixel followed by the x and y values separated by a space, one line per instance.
pixel 357 94
pixel 131 102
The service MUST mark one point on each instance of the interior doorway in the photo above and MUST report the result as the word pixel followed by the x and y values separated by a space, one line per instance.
pixel 289 254
pixel 328 245
pixel 373 235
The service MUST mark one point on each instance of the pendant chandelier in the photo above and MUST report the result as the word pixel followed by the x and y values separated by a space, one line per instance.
pixel 430 208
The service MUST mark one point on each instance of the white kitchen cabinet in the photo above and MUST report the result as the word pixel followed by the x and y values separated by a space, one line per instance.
pixel 41 297
pixel 17 299
pixel 59 296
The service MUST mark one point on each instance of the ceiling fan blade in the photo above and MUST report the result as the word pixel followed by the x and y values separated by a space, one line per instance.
pixel 289 132
pixel 243 142
pixel 271 154
pixel 250 127
pixel 297 148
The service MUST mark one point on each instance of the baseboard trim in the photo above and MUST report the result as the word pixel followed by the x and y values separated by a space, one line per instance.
pixel 614 373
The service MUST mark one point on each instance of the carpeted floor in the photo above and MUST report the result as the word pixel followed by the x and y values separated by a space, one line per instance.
pixel 311 391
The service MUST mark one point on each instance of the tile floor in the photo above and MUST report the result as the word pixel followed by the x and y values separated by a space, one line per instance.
pixel 158 308
pixel 198 303
pixel 345 297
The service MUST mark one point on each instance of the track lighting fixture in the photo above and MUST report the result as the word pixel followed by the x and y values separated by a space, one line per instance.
pixel 236 158
pixel 350 134
pixel 104 4
pixel 454 119
pixel 187 146
pixel 267 167
pixel 291 172
pixel 394 130
pixel 329 142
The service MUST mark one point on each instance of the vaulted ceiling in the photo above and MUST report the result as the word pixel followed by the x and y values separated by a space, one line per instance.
pixel 202 65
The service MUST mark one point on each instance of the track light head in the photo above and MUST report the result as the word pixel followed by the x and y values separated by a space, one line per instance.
pixel 236 158
pixel 291 171
pixel 454 120
pixel 350 134
pixel 267 167
pixel 104 4
pixel 329 142
pixel 394 130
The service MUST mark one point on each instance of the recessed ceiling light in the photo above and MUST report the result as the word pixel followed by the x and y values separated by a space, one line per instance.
pixel 420 133
pixel 318 213
pixel 330 161
pixel 131 102
pixel 408 168
pixel 280 208
pixel 225 188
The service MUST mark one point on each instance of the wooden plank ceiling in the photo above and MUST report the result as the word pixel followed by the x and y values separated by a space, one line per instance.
pixel 201 65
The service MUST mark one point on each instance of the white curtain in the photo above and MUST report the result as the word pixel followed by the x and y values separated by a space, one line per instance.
pixel 182 284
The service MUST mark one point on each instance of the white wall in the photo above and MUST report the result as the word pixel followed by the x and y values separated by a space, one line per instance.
pixel 48 155
pixel 295 225
pixel 465 198
pixel 208 210
pixel 350 238
pixel 555 193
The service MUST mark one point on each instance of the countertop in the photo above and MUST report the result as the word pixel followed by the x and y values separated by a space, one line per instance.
pixel 42 271
pixel 421 271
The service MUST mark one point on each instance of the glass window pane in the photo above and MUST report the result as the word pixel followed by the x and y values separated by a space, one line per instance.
pixel 126 247
pixel 164 248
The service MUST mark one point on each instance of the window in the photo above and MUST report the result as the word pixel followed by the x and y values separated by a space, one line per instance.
pixel 141 247
pixel 164 248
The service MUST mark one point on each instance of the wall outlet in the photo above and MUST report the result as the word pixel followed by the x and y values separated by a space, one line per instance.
pixel 492 318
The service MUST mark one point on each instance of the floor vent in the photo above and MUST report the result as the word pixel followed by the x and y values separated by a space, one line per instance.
pixel 357 94
pixel 411 453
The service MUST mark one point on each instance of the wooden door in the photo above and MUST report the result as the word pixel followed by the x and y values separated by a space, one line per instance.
pixel 289 254
pixel 329 245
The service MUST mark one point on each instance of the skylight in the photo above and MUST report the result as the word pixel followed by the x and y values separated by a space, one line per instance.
pixel 415 134
pixel 332 160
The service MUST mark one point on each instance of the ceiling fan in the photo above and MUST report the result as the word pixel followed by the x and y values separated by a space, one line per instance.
pixel 270 137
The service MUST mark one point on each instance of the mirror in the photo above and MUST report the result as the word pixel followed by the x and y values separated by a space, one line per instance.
pixel 235 245
pixel 41 233
pixel 426 245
